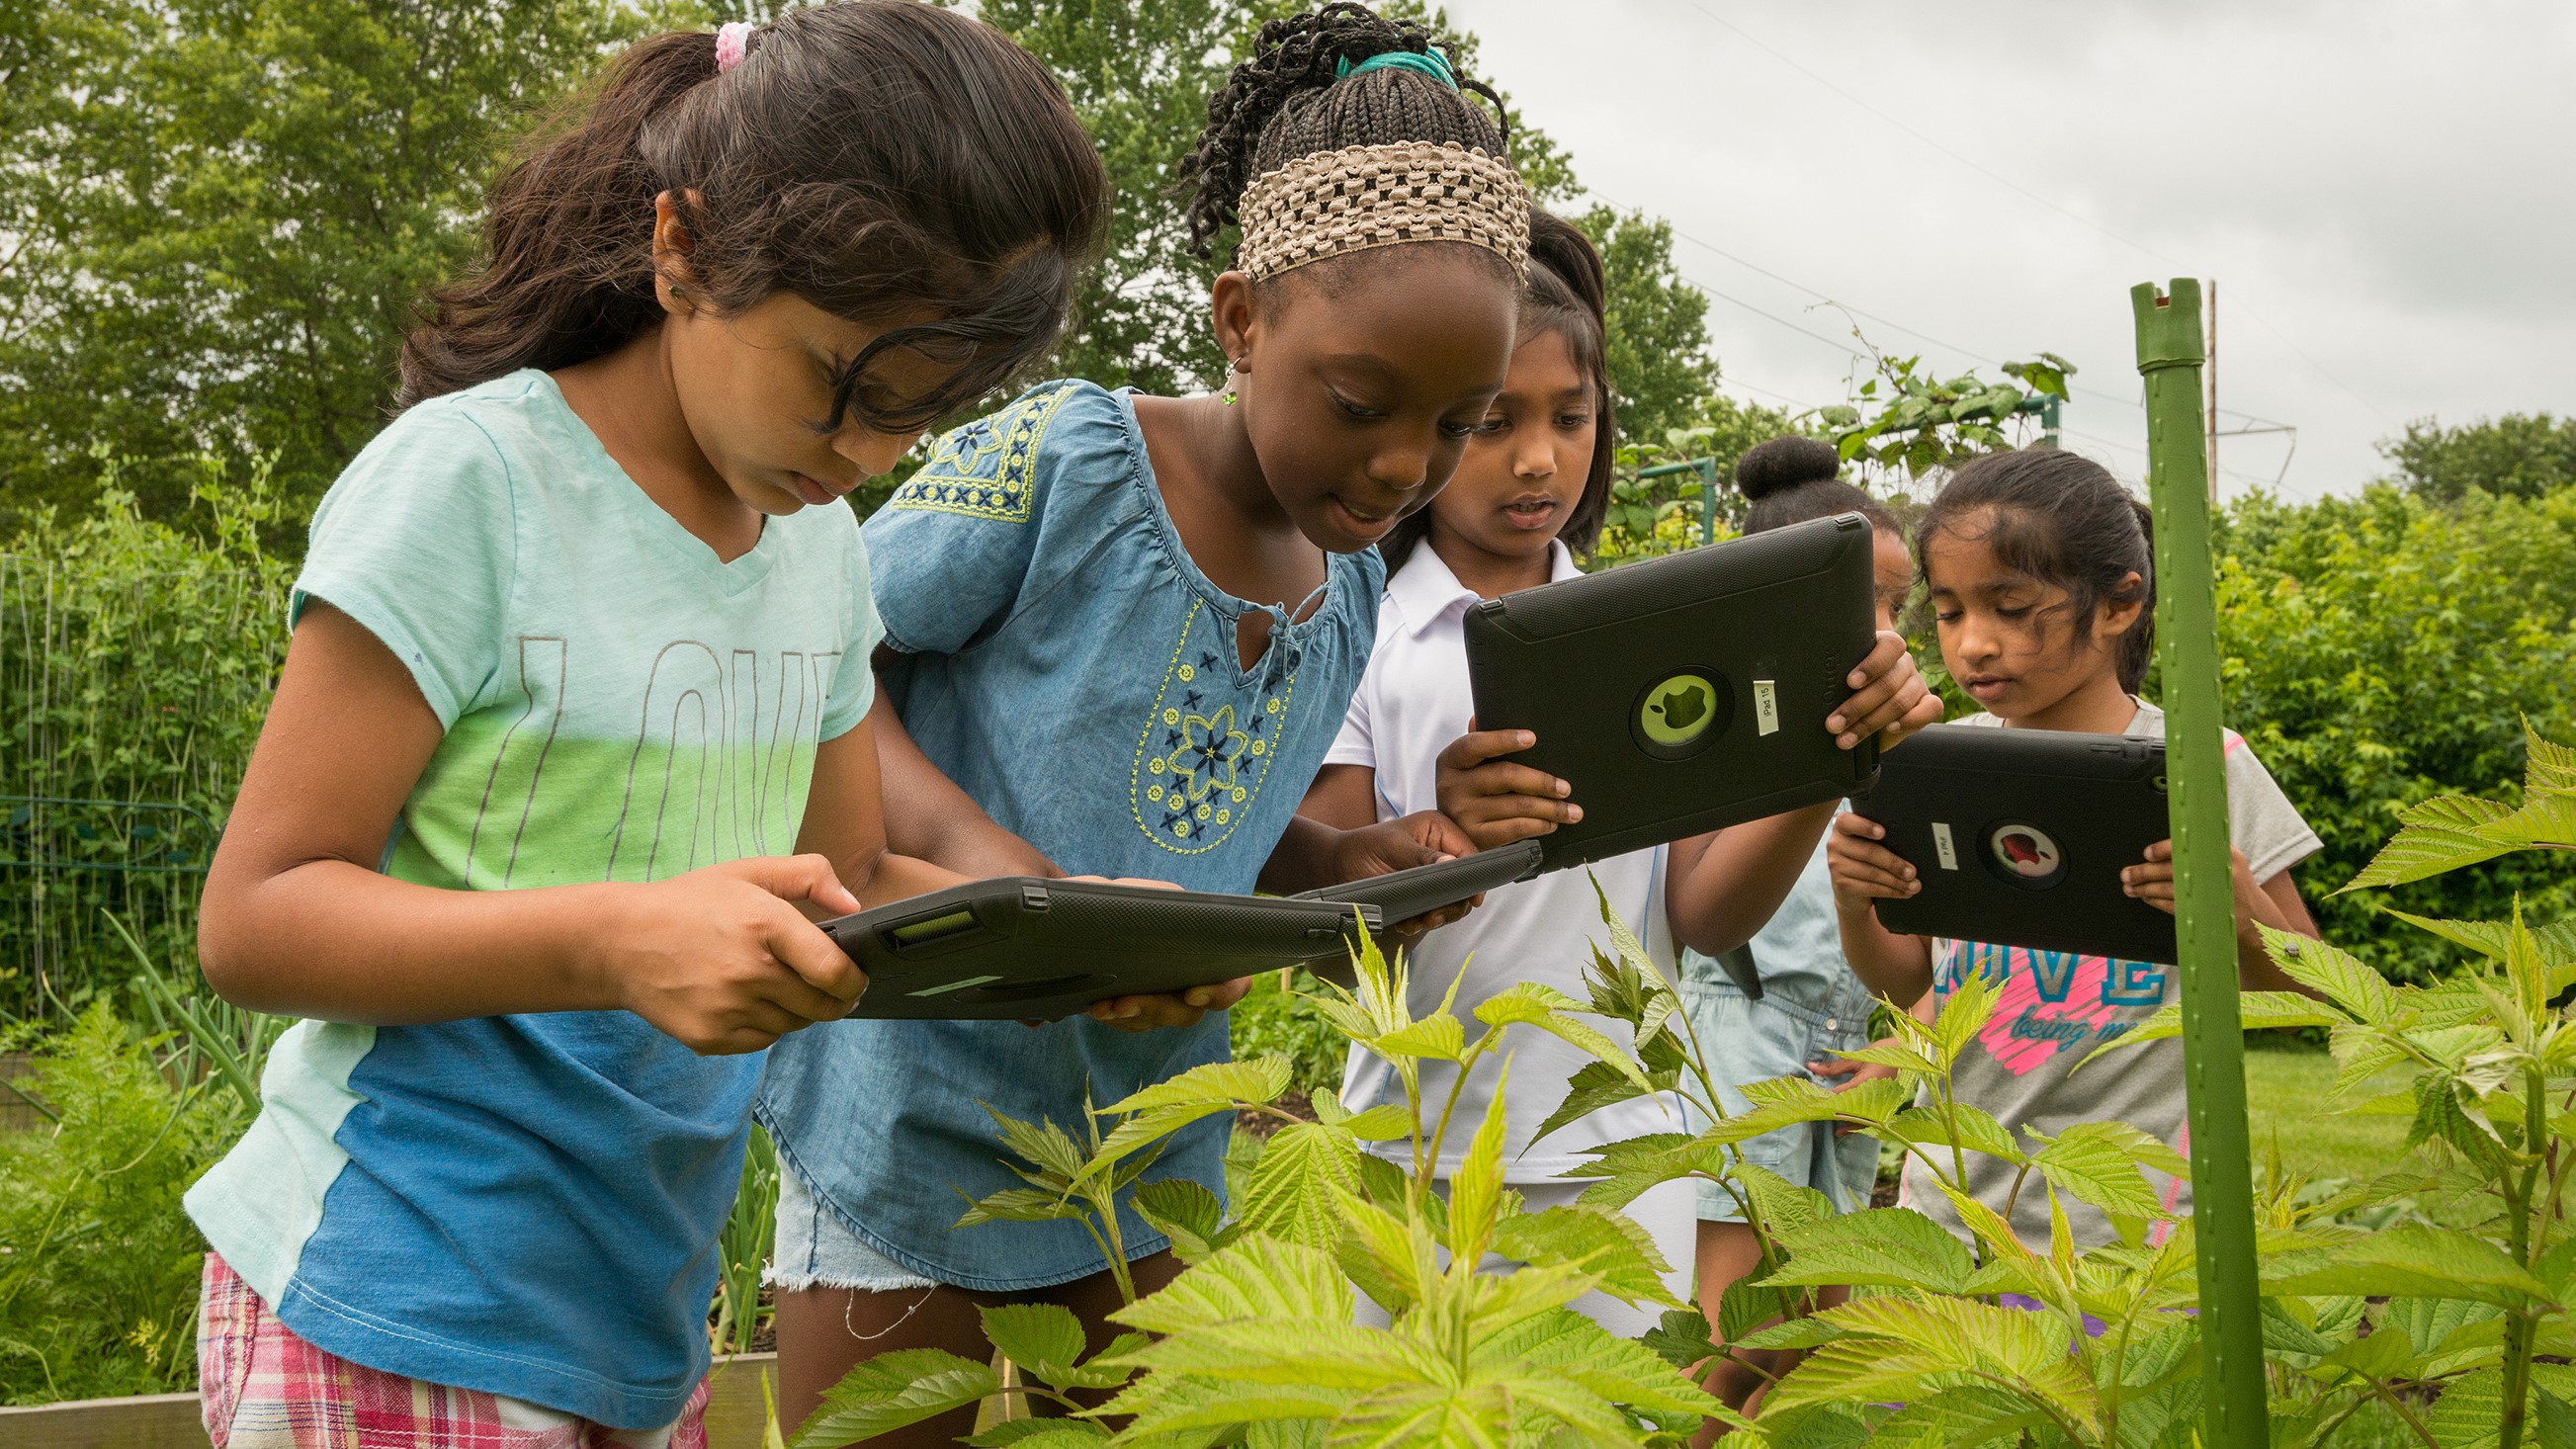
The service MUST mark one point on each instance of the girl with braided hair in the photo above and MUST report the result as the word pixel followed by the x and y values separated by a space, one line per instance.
pixel 1128 627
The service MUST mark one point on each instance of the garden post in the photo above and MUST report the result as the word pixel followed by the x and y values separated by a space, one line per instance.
pixel 2170 357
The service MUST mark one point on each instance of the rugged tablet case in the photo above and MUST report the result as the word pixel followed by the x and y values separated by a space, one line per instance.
pixel 2019 838
pixel 1401 895
pixel 1688 692
pixel 1021 948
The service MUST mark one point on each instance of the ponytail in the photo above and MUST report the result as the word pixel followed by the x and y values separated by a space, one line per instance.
pixel 877 158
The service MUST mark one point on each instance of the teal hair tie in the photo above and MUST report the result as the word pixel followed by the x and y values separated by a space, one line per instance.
pixel 1424 62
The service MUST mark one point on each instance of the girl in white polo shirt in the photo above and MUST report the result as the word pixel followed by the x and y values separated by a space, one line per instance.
pixel 1530 491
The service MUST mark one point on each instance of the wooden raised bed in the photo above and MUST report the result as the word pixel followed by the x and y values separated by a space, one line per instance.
pixel 169 1421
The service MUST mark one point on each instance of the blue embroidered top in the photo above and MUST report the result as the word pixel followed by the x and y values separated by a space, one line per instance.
pixel 1065 662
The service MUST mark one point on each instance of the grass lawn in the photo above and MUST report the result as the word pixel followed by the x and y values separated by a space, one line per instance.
pixel 2289 1097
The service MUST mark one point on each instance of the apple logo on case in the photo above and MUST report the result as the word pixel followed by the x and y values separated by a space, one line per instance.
pixel 1678 710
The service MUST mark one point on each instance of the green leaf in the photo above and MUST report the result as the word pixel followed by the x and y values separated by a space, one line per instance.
pixel 1441 1038
pixel 2259 1011
pixel 2451 831
pixel 1256 1278
pixel 1596 1085
pixel 1963 1014
pixel 1876 1247
pixel 1168 1106
pixel 1682 1338
pixel 892 1390
pixel 1385 1122
pixel 1628 1167
pixel 1043 1145
pixel 1978 1131
pixel 1476 1187
pixel 1747 1305
pixel 1530 1003
pixel 1784 1206
pixel 1019 1205
pixel 1607 1246
pixel 2410 1260
pixel 2091 1163
pixel 1183 1211
pixel 1044 1339
pixel 2556 940
pixel 1297 1186
pixel 1903 1349
pixel 1039 1434
pixel 2333 973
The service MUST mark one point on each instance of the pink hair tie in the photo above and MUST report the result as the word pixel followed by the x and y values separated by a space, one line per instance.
pixel 733 41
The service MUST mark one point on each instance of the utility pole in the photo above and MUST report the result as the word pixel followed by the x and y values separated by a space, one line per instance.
pixel 2170 357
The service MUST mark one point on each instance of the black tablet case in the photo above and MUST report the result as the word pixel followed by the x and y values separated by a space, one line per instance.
pixel 1401 895
pixel 1771 625
pixel 2093 802
pixel 1021 948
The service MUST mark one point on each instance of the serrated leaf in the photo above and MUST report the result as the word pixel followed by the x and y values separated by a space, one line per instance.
pixel 1596 1085
pixel 1044 1339
pixel 1385 1122
pixel 1168 1106
pixel 1183 1211
pixel 1903 1349
pixel 2092 1163
pixel 1682 1338
pixel 1606 1245
pixel 2557 939
pixel 2258 1010
pixel 1875 1247
pixel 1530 1003
pixel 1387 1257
pixel 1628 1167
pixel 2333 973
pixel 892 1390
pixel 2409 1260
pixel 1296 1188
pixel 1441 1038
pixel 2451 831
pixel 1252 1278
pixel 1784 1206
pixel 1044 1145
pixel 1977 1131
pixel 1039 1434
pixel 1964 1011
pixel 1019 1205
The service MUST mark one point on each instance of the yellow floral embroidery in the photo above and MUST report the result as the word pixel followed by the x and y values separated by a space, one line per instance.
pixel 1205 749
pixel 955 479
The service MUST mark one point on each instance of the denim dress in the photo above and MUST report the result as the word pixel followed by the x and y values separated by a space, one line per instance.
pixel 1064 661
pixel 1811 1007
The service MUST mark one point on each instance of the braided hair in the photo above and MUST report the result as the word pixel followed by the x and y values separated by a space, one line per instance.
pixel 1289 100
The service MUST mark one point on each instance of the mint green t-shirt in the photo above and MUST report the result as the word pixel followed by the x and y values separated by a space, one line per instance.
pixel 529 1205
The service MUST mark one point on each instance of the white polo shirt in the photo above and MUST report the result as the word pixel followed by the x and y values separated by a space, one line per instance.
pixel 1413 701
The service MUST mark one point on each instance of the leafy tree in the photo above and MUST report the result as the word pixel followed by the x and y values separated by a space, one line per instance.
pixel 1905 421
pixel 216 216
pixel 1658 332
pixel 2518 455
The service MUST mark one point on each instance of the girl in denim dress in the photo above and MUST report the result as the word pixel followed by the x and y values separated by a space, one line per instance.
pixel 1127 627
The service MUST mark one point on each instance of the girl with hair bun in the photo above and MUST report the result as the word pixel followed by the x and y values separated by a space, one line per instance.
pixel 1786 1000
pixel 2042 578
pixel 579 657
pixel 1128 627
pixel 1529 497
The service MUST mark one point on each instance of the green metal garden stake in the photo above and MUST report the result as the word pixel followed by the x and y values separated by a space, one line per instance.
pixel 2222 1177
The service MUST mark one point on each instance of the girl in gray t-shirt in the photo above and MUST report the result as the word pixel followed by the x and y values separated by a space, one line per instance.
pixel 2043 594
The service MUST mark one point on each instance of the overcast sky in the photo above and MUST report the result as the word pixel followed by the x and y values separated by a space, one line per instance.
pixel 2386 193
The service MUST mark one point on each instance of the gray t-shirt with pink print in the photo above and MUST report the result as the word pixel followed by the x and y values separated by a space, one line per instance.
pixel 2058 1006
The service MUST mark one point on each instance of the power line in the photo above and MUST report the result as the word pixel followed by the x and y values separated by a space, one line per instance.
pixel 2032 196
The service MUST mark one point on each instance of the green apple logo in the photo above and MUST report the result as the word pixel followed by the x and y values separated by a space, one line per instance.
pixel 1677 712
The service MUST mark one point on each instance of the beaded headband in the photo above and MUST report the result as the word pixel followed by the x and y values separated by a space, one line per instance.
pixel 1373 196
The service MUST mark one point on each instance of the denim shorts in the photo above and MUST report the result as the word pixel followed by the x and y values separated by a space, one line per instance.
pixel 1745 1040
pixel 815 1249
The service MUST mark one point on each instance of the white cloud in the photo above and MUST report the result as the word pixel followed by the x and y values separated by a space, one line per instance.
pixel 2386 192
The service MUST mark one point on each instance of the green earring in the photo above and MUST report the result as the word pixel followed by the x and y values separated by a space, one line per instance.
pixel 1227 397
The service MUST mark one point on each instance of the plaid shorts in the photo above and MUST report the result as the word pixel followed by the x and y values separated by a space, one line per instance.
pixel 265 1388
